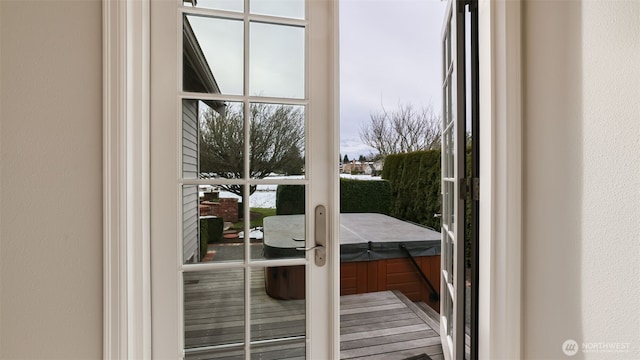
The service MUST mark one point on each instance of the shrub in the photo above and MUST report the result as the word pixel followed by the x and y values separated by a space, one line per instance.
pixel 240 210
pixel 211 228
pixel 428 194
pixel 365 196
pixel 355 196
pixel 290 199
pixel 414 180
pixel 204 238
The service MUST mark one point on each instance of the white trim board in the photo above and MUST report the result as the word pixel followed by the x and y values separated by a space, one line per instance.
pixel 500 284
pixel 127 305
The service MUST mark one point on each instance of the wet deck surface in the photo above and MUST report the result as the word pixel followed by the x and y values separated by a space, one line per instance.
pixel 380 325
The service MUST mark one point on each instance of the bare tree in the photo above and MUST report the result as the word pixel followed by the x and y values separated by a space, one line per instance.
pixel 276 142
pixel 405 129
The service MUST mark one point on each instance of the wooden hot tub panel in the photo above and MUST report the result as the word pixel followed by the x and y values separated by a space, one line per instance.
pixel 287 282
pixel 391 274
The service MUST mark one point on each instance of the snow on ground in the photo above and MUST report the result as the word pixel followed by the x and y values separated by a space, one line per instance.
pixel 255 233
pixel 360 177
pixel 265 195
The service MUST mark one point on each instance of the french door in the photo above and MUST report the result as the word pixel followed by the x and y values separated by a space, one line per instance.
pixel 243 179
pixel 453 171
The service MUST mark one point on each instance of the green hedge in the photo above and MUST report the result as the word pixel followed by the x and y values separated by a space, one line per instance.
pixel 290 199
pixel 414 180
pixel 355 196
pixel 203 239
pixel 211 229
pixel 365 196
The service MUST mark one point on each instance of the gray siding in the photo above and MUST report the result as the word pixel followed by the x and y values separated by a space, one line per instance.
pixel 190 139
pixel 190 226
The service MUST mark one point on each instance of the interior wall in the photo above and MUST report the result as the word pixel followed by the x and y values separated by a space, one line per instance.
pixel 51 180
pixel 611 173
pixel 581 170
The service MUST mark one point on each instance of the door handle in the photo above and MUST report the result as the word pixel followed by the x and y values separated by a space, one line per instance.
pixel 309 248
pixel 320 232
pixel 320 235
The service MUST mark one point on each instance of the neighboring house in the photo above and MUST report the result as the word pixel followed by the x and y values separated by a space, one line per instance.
pixel 376 167
pixel 579 181
pixel 363 167
pixel 197 77
pixel 352 167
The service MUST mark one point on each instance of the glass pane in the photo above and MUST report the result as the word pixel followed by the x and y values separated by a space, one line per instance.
pixel 443 201
pixel 213 55
pixel 448 191
pixel 285 231
pixel 262 204
pixel 190 139
pixel 228 5
pixel 452 211
pixel 449 313
pixel 277 61
pixel 450 105
pixel 446 150
pixel 233 353
pixel 220 223
pixel 449 102
pixel 214 313
pixel 290 348
pixel 446 258
pixel 192 252
pixel 448 42
pixel 451 153
pixel 277 140
pixel 221 140
pixel 284 8
pixel 445 100
pixel 450 261
pixel 278 318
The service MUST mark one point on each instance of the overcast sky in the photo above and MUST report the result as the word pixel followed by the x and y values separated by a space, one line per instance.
pixel 389 53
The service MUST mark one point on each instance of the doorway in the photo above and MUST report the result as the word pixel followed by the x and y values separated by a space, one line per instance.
pixel 403 171
pixel 248 112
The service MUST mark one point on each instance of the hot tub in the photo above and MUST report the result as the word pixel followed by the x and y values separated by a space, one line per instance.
pixel 370 255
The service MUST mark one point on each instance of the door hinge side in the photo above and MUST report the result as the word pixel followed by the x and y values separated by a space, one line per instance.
pixel 476 189
pixel 465 188
pixel 470 189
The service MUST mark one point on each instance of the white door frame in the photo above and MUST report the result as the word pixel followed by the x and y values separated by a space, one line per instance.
pixel 127 304
pixel 500 264
pixel 126 271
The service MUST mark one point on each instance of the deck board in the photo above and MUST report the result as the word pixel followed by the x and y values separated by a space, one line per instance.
pixel 380 325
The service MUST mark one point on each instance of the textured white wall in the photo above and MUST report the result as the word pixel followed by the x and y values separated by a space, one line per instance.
pixel 51 180
pixel 581 188
pixel 611 173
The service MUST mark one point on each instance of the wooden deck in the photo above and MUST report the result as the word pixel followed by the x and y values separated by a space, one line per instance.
pixel 385 325
pixel 380 325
